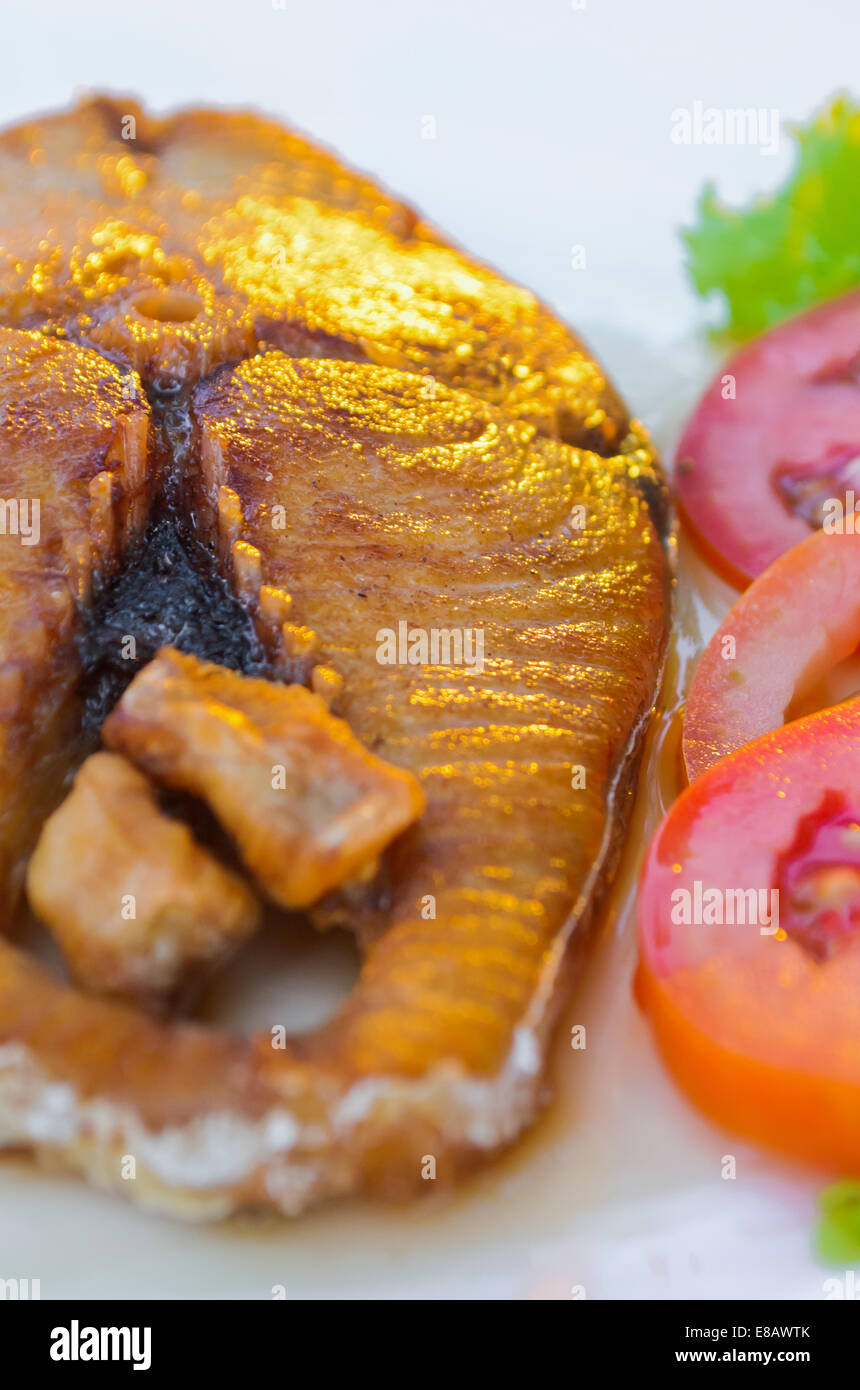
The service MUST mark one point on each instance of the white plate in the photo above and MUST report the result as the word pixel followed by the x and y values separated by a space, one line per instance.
pixel 553 125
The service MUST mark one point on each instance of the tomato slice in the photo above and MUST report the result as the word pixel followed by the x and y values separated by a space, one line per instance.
pixel 775 436
pixel 759 1025
pixel 794 624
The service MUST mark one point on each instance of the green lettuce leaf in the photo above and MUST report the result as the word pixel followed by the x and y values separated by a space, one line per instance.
pixel 795 248
pixel 838 1236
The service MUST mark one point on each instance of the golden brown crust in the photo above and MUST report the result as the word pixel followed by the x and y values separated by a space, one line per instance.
pixel 445 515
pixel 273 240
pixel 138 907
pixel 422 481
pixel 305 803
pixel 75 490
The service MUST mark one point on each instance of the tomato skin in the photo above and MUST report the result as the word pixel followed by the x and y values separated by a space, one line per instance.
pixel 792 625
pixel 789 425
pixel 763 1036
pixel 805 1117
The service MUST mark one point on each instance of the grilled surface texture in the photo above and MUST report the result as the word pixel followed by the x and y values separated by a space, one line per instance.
pixel 403 441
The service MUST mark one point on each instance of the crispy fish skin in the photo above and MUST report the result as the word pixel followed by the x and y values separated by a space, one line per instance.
pixel 305 802
pixel 186 243
pixel 136 904
pixel 447 514
pixel 73 443
pixel 431 489
pixel 85 249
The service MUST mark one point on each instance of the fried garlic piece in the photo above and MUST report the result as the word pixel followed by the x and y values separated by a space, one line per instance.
pixel 306 803
pixel 136 904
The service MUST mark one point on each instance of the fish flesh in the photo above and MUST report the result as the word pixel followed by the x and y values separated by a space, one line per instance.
pixel 76 487
pixel 307 806
pixel 136 904
pixel 177 245
pixel 435 511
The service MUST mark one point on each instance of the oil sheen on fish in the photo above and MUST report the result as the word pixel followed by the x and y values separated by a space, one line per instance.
pixel 434 508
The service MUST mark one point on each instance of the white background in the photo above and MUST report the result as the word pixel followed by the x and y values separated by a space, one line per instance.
pixel 552 130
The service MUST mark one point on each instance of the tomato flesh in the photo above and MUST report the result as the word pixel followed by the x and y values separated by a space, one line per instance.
pixel 794 624
pixel 756 1009
pixel 818 878
pixel 773 438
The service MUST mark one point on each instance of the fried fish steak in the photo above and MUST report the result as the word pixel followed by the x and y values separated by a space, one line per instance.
pixel 305 802
pixel 75 491
pixel 409 445
pixel 176 245
pixel 440 512
pixel 444 515
pixel 137 905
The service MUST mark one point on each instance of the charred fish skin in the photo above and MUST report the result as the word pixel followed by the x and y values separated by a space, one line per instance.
pixel 463 467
